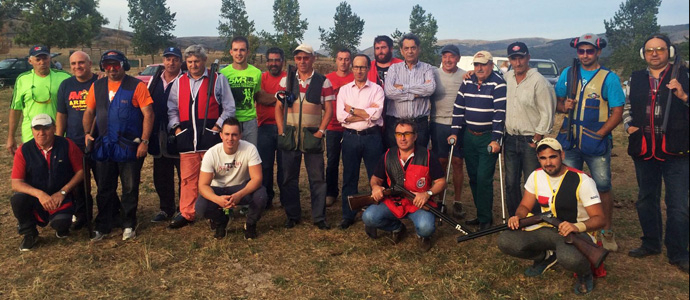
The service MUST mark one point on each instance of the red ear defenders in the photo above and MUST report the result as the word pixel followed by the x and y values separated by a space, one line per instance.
pixel 114 54
pixel 671 48
pixel 600 43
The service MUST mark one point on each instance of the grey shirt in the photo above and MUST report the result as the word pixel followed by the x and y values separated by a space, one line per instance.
pixel 223 96
pixel 447 86
pixel 530 105
pixel 418 81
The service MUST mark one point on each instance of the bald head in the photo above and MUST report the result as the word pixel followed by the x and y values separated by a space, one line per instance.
pixel 80 64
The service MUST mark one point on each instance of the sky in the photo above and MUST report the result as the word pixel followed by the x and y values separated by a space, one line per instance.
pixel 457 19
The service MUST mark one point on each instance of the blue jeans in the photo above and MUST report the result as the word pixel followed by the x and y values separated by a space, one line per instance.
pixel 355 148
pixel 521 159
pixel 674 172
pixel 379 216
pixel 109 205
pixel 599 166
pixel 439 141
pixel 333 146
pixel 422 123
pixel 250 131
pixel 267 146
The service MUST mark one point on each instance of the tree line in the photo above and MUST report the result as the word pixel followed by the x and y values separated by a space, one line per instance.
pixel 68 23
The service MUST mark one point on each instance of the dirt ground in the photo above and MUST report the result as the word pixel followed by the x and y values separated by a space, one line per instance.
pixel 307 263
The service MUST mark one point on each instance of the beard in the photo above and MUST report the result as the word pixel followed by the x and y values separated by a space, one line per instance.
pixel 385 58
pixel 274 70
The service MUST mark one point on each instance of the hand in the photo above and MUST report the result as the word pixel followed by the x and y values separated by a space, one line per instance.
pixel 420 199
pixel 514 223
pixel 46 201
pixel 347 108
pixel 56 200
pixel 495 147
pixel 633 129
pixel 11 145
pixel 237 197
pixel 566 228
pixel 677 90
pixel 468 75
pixel 373 105
pixel 377 193
pixel 178 130
pixel 142 150
pixel 225 201
pixel 398 86
pixel 454 139
pixel 88 139
pixel 318 134
pixel 569 104
pixel 216 128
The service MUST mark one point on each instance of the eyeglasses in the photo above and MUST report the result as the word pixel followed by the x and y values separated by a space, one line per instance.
pixel 406 134
pixel 301 58
pixel 360 68
pixel 50 90
pixel 274 60
pixel 112 65
pixel 590 51
pixel 659 50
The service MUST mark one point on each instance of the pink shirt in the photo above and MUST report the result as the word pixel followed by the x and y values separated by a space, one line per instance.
pixel 369 98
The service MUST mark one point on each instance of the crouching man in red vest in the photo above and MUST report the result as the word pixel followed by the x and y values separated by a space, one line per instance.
pixel 46 170
pixel 415 169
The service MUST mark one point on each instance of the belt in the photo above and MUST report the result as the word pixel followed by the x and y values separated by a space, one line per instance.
pixel 370 130
pixel 477 133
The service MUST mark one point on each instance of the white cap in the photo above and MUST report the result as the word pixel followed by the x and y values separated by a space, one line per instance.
pixel 41 120
pixel 304 48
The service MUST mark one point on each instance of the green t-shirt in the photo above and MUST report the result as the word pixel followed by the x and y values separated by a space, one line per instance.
pixel 35 95
pixel 244 84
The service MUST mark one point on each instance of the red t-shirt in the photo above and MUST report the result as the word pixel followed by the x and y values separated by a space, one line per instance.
pixel 337 82
pixel 19 167
pixel 267 114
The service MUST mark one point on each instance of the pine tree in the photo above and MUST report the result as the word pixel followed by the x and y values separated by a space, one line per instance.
pixel 425 27
pixel 235 22
pixel 152 22
pixel 346 33
pixel 288 26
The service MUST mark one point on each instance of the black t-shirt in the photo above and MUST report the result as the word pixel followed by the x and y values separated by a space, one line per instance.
pixel 382 74
pixel 72 102
pixel 435 169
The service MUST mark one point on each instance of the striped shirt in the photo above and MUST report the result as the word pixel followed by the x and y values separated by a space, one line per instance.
pixel 418 81
pixel 481 107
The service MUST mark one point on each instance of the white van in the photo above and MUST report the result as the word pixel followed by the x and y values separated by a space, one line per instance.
pixel 465 63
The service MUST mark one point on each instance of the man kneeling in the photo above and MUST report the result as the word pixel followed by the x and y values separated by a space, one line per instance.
pixel 578 206
pixel 46 170
pixel 230 176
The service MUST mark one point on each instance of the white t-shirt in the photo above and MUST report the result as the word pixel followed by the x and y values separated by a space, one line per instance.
pixel 229 170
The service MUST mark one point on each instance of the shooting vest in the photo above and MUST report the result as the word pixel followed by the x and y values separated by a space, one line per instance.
pixel 159 133
pixel 590 114
pixel 49 178
pixel 415 178
pixel 192 110
pixel 119 122
pixel 306 113
pixel 644 143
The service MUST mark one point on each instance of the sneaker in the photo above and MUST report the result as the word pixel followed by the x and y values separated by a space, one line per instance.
pixel 62 234
pixel 249 231
pixel 161 216
pixel 220 230
pixel 128 233
pixel 584 284
pixel 330 200
pixel 539 267
pixel 28 242
pixel 608 240
pixel 397 235
pixel 97 236
pixel 424 244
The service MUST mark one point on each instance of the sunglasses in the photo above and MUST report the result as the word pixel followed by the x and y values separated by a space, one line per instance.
pixel 590 51
pixel 112 66
pixel 301 58
pixel 50 91
pixel 659 50
pixel 406 134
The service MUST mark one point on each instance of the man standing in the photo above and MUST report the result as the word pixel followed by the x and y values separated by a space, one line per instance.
pixel 530 107
pixel 448 81
pixel 383 59
pixel 46 170
pixel 414 168
pixel 480 109
pixel 660 152
pixel 245 83
pixel 196 119
pixel 302 133
pixel 121 105
pixel 578 207
pixel 35 92
pixel 266 117
pixel 334 132
pixel 598 108
pixel 163 150
pixel 71 104
pixel 359 108
pixel 408 86
pixel 230 176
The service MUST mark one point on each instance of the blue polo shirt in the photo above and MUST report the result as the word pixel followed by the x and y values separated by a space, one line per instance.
pixel 611 92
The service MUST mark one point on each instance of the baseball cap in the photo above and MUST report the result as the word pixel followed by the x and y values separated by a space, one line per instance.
pixel 41 120
pixel 450 48
pixel 113 55
pixel 551 143
pixel 589 38
pixel 39 50
pixel 517 48
pixel 172 51
pixel 304 48
pixel 482 57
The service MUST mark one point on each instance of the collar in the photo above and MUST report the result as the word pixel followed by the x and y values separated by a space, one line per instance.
pixel 44 150
pixel 200 78
pixel 366 84
pixel 310 75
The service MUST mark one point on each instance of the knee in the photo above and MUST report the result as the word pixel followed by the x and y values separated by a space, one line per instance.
pixel 260 196
pixel 61 222
pixel 368 218
pixel 425 228
pixel 18 200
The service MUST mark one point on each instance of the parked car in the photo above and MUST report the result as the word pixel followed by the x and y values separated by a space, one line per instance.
pixel 547 67
pixel 147 73
pixel 11 68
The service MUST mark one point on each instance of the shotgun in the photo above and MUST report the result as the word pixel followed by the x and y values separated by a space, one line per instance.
pixel 211 87
pixel 572 85
pixel 674 75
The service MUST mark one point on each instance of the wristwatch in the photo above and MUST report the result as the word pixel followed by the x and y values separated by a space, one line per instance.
pixel 430 193
pixel 63 192
pixel 322 131
pixel 352 111
pixel 145 142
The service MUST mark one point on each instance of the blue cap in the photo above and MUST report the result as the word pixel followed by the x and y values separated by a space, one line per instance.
pixel 172 51
pixel 39 50
pixel 113 55
pixel 450 48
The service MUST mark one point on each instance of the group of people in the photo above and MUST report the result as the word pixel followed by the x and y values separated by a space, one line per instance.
pixel 223 132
